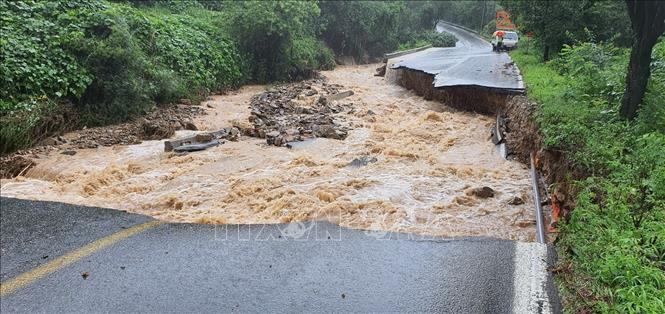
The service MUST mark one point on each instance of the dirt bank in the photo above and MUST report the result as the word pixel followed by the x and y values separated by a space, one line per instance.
pixel 406 164
pixel 522 135
pixel 159 124
pixel 467 98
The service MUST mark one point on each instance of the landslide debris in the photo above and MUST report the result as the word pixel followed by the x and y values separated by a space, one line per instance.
pixel 159 124
pixel 296 111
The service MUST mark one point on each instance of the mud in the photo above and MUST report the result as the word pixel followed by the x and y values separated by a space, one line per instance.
pixel 416 166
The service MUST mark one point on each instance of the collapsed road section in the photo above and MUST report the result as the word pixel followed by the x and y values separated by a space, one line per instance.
pixel 471 63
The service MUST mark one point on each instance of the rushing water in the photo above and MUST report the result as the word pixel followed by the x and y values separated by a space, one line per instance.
pixel 428 159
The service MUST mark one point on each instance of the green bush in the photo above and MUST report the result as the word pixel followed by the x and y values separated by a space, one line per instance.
pixel 364 29
pixel 112 61
pixel 615 238
pixel 266 30
pixel 442 39
pixel 432 38
pixel 36 70
pixel 310 54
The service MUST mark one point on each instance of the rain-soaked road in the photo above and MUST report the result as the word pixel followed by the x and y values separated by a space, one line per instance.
pixel 67 258
pixel 297 267
pixel 471 63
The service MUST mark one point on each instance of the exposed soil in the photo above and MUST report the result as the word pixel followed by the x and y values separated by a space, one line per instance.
pixel 522 135
pixel 465 98
pixel 159 124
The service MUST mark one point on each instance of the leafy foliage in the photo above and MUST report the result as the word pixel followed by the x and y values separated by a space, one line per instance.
pixel 472 14
pixel 114 61
pixel 364 29
pixel 432 38
pixel 556 23
pixel 615 236
pixel 266 30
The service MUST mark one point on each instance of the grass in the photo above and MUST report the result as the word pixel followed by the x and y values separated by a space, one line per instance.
pixel 612 247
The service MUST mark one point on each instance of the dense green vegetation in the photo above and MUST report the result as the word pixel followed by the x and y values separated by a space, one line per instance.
pixel 431 38
pixel 556 23
pixel 612 246
pixel 105 62
pixel 68 64
pixel 614 241
pixel 110 61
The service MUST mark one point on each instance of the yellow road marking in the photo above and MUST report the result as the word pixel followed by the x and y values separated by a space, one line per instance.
pixel 31 276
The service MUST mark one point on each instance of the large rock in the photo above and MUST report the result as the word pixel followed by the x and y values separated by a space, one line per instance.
pixel 481 192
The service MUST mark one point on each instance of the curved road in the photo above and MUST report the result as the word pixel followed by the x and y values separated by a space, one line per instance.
pixel 470 63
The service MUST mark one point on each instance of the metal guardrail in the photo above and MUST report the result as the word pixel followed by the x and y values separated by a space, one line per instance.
pixel 540 226
pixel 391 55
pixel 458 26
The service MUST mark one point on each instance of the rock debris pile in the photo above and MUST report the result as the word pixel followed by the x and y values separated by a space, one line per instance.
pixel 159 124
pixel 300 110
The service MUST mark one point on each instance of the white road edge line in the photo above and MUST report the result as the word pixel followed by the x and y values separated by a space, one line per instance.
pixel 530 279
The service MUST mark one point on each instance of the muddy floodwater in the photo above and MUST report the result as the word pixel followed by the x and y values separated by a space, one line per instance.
pixel 428 160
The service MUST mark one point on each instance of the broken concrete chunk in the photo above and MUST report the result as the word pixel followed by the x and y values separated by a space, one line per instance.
pixel 196 147
pixel 311 92
pixel 339 95
pixel 194 142
pixel 381 71
pixel 231 134
pixel 203 137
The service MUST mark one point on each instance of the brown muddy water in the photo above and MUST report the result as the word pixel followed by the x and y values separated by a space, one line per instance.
pixel 428 159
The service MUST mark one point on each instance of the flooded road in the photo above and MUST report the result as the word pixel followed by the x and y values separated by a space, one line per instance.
pixel 429 159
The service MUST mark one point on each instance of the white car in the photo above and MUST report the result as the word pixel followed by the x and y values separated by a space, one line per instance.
pixel 510 40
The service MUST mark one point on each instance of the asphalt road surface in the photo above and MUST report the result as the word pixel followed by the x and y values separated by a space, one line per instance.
pixel 66 258
pixel 470 63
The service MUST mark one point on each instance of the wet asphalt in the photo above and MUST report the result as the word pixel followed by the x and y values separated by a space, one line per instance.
pixel 470 63
pixel 298 267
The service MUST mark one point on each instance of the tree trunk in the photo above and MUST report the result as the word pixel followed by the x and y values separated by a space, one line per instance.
pixel 546 53
pixel 637 78
pixel 648 22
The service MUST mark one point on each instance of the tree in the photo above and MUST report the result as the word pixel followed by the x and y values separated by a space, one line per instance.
pixel 563 22
pixel 363 28
pixel 551 21
pixel 265 31
pixel 648 22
